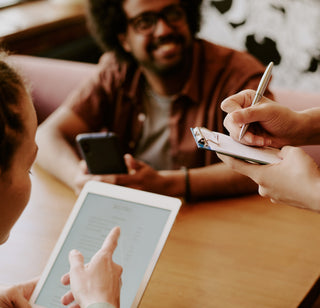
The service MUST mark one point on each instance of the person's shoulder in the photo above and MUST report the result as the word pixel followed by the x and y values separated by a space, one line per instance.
pixel 111 69
pixel 213 50
pixel 235 67
pixel 110 61
pixel 225 53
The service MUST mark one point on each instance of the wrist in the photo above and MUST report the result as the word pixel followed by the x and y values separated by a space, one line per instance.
pixel 174 182
pixel 309 129
pixel 187 194
pixel 316 196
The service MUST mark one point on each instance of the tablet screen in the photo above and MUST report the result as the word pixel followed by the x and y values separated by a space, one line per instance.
pixel 141 228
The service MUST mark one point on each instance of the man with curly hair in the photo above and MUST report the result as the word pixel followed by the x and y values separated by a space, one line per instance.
pixel 154 81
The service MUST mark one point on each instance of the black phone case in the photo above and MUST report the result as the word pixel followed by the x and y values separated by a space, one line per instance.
pixel 102 153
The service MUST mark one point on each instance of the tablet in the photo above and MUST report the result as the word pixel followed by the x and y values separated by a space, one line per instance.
pixel 145 220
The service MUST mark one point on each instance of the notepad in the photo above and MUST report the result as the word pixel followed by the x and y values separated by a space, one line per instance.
pixel 224 144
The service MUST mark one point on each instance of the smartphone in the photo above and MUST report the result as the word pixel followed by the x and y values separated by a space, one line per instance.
pixel 102 152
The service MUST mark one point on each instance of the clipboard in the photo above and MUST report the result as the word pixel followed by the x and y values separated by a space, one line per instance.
pixel 224 144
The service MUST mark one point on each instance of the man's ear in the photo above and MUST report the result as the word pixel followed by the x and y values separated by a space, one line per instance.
pixel 123 41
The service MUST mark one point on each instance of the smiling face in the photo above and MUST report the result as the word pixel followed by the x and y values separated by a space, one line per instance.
pixel 15 184
pixel 164 50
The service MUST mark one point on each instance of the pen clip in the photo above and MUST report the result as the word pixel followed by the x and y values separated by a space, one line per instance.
pixel 199 136
pixel 214 139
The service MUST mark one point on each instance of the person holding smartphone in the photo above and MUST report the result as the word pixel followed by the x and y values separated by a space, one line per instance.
pixel 296 179
pixel 99 281
pixel 155 80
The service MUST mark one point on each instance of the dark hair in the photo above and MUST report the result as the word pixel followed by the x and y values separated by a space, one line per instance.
pixel 107 20
pixel 11 124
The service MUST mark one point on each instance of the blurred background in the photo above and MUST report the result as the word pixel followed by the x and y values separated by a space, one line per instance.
pixel 283 31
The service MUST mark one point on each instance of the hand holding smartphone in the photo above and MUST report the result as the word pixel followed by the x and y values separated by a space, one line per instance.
pixel 102 152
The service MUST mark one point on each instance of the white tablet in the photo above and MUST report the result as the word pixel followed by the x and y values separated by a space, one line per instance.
pixel 145 220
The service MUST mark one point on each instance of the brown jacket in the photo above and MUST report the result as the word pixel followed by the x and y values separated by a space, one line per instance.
pixel 112 99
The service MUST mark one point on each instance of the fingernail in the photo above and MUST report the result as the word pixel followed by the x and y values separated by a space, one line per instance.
pixel 248 139
pixel 260 142
pixel 268 142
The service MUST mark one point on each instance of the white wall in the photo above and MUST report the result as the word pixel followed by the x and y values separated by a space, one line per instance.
pixel 291 26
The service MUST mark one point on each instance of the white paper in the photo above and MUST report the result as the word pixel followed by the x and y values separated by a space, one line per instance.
pixel 224 144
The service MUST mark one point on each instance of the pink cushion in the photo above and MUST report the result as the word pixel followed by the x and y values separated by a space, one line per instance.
pixel 299 100
pixel 51 80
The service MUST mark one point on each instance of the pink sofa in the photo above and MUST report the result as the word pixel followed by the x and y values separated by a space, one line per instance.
pixel 299 100
pixel 52 80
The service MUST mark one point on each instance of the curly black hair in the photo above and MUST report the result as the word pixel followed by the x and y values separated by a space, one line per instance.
pixel 11 123
pixel 106 20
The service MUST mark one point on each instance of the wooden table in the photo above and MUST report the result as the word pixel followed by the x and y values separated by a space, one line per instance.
pixel 38 26
pixel 243 252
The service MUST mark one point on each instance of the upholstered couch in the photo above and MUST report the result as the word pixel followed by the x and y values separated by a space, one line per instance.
pixel 52 80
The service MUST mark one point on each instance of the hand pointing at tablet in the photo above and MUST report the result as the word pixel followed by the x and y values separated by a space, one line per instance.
pixel 99 281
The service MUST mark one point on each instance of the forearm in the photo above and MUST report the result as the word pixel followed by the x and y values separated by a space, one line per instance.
pixel 56 156
pixel 213 181
pixel 174 182
pixel 310 126
pixel 312 199
pixel 217 181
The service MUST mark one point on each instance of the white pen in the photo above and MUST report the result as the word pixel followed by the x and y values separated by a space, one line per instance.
pixel 260 91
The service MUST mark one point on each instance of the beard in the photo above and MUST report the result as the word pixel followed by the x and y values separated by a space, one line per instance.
pixel 173 66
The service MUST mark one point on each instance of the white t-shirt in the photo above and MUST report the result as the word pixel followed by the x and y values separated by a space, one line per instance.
pixel 154 146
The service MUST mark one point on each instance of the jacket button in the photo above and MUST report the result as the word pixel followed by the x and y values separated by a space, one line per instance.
pixel 141 117
pixel 132 144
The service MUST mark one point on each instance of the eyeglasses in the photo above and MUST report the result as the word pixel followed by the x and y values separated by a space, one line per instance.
pixel 145 23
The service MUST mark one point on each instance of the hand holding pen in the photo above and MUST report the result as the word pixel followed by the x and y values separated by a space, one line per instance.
pixel 260 91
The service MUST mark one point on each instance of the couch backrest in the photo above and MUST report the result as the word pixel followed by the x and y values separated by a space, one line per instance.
pixel 298 100
pixel 51 80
